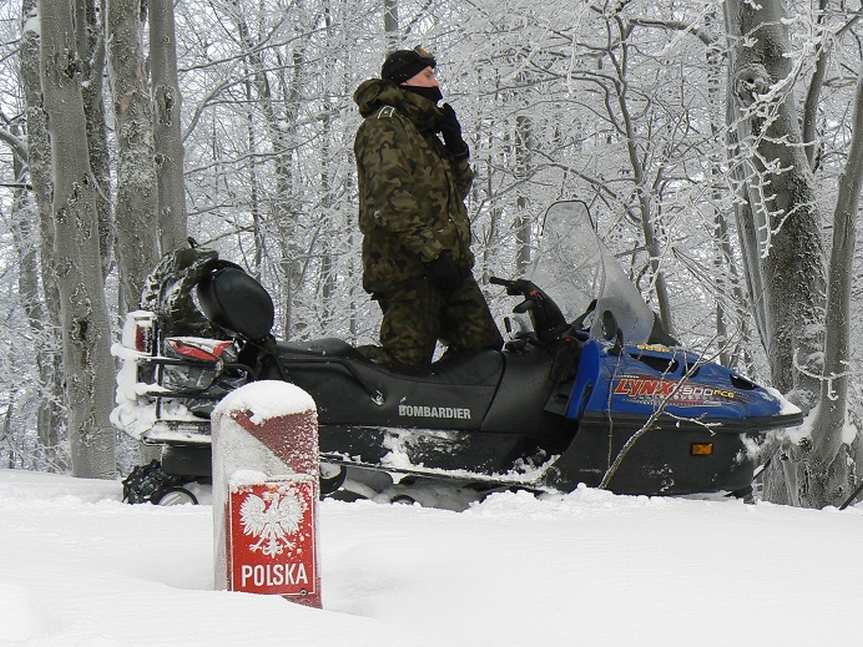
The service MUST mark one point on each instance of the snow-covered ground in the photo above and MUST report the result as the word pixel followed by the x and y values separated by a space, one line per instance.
pixel 78 568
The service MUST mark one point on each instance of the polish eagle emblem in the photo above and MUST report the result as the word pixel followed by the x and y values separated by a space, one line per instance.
pixel 271 520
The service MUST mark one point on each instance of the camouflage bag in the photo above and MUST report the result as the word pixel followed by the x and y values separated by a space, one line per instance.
pixel 168 291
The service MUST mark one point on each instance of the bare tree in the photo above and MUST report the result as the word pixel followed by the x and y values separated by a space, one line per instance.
pixel 90 38
pixel 280 118
pixel 808 343
pixel 32 301
pixel 167 101
pixel 781 193
pixel 618 53
pixel 523 221
pixel 39 170
pixel 87 364
pixel 135 208
pixel 819 471
pixel 392 34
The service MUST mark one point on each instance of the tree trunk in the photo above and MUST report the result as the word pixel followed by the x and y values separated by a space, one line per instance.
pixel 22 218
pixel 781 194
pixel 39 163
pixel 810 106
pixel 135 209
pixel 167 102
pixel 727 283
pixel 523 223
pixel 6 432
pixel 822 467
pixel 257 224
pixel 786 250
pixel 327 246
pixel 722 261
pixel 746 234
pixel 88 367
pixel 354 275
pixel 287 215
pixel 491 238
pixel 91 53
pixel 392 37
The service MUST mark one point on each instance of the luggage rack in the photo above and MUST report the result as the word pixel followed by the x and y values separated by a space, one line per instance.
pixel 178 431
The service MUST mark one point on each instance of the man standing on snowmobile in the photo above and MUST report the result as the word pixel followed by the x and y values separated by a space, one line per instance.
pixel 417 262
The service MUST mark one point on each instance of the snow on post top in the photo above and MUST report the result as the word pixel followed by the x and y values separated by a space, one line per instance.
pixel 267 399
pixel 239 478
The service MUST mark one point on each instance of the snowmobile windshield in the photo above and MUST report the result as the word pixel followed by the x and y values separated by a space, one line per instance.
pixel 574 267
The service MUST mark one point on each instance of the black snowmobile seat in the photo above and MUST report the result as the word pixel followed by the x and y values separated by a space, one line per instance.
pixel 482 368
pixel 349 389
pixel 477 369
pixel 325 347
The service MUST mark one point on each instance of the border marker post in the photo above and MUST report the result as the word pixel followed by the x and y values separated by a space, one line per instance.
pixel 265 492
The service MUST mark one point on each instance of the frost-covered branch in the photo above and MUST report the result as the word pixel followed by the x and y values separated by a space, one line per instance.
pixel 677 25
pixel 18 145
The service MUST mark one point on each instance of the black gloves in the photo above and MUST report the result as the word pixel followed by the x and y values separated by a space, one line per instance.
pixel 450 128
pixel 444 273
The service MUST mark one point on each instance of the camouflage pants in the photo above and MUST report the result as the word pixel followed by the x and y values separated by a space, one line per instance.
pixel 418 315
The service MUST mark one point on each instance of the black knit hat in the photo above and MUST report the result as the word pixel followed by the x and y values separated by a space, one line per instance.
pixel 403 64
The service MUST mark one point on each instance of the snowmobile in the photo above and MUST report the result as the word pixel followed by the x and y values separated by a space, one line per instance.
pixel 596 393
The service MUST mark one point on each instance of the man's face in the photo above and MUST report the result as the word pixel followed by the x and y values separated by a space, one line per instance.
pixel 425 78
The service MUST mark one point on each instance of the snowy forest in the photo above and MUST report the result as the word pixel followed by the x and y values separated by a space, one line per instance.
pixel 717 145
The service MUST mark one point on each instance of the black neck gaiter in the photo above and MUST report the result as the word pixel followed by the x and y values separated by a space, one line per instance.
pixel 433 94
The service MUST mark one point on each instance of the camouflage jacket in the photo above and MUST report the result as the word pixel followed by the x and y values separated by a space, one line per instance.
pixel 411 190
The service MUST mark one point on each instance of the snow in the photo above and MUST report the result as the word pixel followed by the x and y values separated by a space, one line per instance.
pixel 786 407
pixel 80 568
pixel 33 24
pixel 239 478
pixel 849 432
pixel 397 458
pixel 267 399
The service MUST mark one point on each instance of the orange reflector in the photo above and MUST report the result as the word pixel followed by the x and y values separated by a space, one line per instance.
pixel 701 449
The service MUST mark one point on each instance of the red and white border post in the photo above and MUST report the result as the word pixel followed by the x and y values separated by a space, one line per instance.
pixel 265 492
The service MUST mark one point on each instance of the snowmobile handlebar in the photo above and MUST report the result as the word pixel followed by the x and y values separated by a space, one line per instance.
pixel 547 317
pixel 517 287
